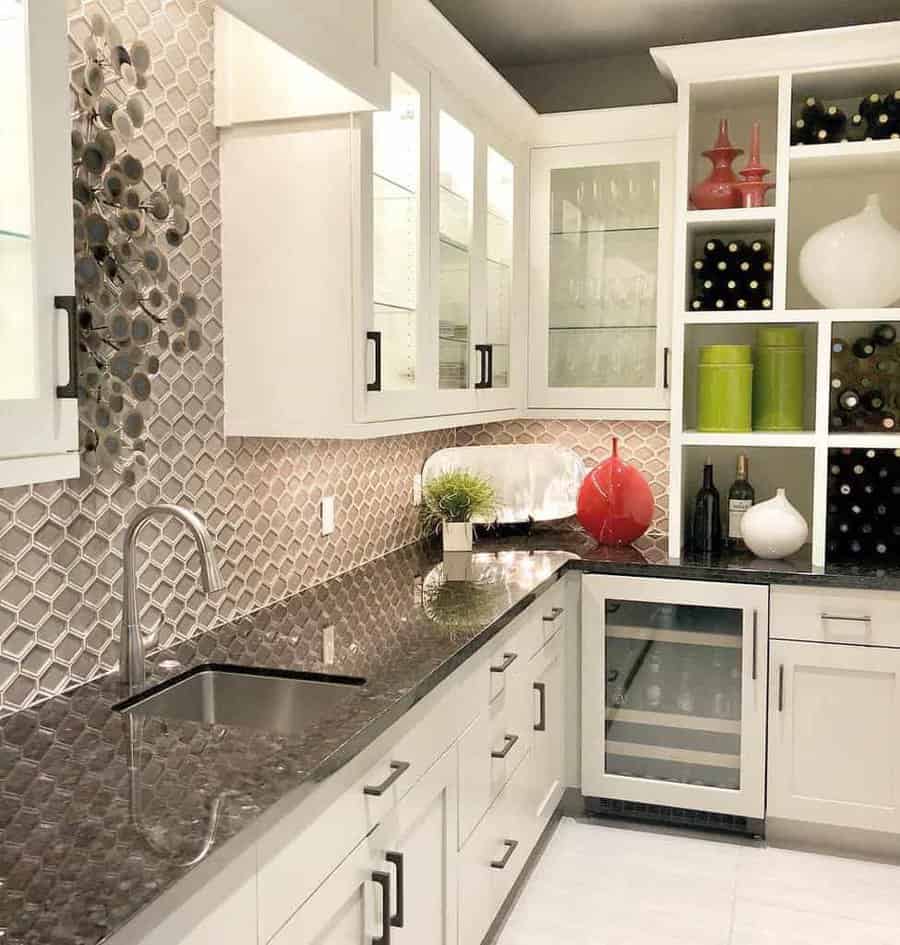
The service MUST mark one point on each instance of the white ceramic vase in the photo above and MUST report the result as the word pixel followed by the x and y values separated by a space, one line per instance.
pixel 457 536
pixel 855 262
pixel 774 529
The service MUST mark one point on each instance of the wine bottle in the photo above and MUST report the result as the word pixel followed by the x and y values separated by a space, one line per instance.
pixel 740 498
pixel 801 132
pixel 813 110
pixel 653 692
pixel 892 103
pixel 760 249
pixel 857 128
pixel 838 382
pixel 888 420
pixel 873 400
pixel 701 267
pixel 869 105
pixel 863 348
pixel 883 125
pixel 849 399
pixel 834 122
pixel 707 526
pixel 715 250
pixel 884 335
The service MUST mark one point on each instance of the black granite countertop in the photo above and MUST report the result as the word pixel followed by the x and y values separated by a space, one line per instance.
pixel 99 815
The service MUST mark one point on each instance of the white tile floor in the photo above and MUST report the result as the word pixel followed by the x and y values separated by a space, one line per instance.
pixel 600 885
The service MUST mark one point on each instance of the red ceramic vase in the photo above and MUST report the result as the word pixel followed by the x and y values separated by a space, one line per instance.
pixel 615 503
pixel 717 192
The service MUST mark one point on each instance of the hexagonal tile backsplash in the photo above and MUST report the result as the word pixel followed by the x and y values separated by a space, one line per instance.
pixel 60 543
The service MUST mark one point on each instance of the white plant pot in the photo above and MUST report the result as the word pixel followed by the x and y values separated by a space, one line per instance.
pixel 774 529
pixel 457 536
pixel 855 262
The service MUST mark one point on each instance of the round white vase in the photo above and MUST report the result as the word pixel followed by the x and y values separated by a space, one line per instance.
pixel 774 529
pixel 855 262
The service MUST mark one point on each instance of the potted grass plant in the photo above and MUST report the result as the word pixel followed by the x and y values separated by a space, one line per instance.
pixel 451 500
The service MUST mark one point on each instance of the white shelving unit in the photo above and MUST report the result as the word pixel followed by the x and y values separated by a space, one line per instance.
pixel 763 79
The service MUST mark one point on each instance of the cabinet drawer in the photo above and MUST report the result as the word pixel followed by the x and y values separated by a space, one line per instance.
pixel 551 608
pixel 835 615
pixel 494 856
pixel 511 729
pixel 296 857
pixel 507 656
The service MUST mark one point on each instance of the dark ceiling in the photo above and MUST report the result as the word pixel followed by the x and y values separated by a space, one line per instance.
pixel 524 32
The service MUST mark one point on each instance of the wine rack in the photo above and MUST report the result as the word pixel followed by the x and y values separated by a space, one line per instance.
pixel 863 495
pixel 732 274
pixel 865 379
pixel 875 118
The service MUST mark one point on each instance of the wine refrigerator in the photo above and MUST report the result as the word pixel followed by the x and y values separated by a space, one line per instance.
pixel 674 699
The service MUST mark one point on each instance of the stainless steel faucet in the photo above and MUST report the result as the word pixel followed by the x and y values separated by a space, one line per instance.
pixel 132 641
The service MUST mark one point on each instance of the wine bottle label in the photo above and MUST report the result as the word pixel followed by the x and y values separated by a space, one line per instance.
pixel 736 510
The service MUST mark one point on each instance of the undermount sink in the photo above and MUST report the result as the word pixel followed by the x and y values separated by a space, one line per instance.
pixel 286 703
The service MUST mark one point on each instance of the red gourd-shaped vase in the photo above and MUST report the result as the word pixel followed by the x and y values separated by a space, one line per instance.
pixel 753 188
pixel 718 192
pixel 615 503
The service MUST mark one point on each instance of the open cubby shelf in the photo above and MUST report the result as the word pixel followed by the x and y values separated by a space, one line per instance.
pixel 816 184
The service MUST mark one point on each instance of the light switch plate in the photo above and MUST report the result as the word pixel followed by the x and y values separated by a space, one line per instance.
pixel 417 489
pixel 327 508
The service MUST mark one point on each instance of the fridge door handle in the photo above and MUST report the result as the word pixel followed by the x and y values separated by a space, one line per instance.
pixel 781 688
pixel 755 642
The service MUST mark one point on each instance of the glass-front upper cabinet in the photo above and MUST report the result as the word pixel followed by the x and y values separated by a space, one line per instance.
pixel 500 218
pixel 38 373
pixel 674 693
pixel 600 298
pixel 456 196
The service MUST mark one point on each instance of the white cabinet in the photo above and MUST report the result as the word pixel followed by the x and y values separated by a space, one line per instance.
pixel 379 292
pixel 38 328
pixel 399 884
pixel 547 674
pixel 674 693
pixel 834 711
pixel 601 241
pixel 316 55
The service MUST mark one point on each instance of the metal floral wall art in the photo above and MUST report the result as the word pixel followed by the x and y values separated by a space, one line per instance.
pixel 131 308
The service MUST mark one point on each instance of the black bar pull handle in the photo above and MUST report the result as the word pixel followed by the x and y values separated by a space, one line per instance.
pixel 510 849
pixel 555 614
pixel 541 689
pixel 397 769
pixel 755 642
pixel 375 337
pixel 666 353
pixel 486 353
pixel 397 860
pixel 383 880
pixel 67 304
pixel 508 742
pixel 508 660
pixel 781 688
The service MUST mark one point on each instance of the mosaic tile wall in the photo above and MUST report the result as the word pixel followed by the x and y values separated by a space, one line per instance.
pixel 60 543
pixel 642 443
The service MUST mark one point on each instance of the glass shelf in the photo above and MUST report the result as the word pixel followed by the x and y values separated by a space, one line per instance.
pixel 387 189
pixel 603 328
pixel 610 230
pixel 391 307
pixel 12 234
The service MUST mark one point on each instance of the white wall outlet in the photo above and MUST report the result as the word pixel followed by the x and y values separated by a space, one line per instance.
pixel 417 489
pixel 327 507
pixel 328 645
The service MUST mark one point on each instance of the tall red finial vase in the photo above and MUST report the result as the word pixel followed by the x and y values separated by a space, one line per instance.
pixel 718 192
pixel 615 503
pixel 753 188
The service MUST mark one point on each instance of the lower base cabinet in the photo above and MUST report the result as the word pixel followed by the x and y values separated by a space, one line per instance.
pixel 834 713
pixel 399 885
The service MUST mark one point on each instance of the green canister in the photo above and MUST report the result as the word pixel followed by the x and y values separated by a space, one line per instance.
pixel 779 379
pixel 725 389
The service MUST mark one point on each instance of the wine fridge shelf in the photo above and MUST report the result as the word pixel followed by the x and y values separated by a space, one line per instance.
pixel 689 637
pixel 674 720
pixel 688 756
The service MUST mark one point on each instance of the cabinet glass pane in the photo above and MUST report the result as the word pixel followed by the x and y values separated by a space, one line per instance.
pixel 500 208
pixel 396 135
pixel 673 692
pixel 456 191
pixel 604 237
pixel 18 328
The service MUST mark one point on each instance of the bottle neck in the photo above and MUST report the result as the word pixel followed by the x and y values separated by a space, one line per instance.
pixel 742 468
pixel 707 477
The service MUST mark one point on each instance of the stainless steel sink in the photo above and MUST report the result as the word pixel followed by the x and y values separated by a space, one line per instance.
pixel 284 703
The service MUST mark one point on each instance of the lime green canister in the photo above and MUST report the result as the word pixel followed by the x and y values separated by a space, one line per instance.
pixel 725 389
pixel 778 381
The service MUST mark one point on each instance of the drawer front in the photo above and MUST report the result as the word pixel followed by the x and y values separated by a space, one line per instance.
pixel 494 855
pixel 507 655
pixel 553 614
pixel 511 729
pixel 835 615
pixel 292 867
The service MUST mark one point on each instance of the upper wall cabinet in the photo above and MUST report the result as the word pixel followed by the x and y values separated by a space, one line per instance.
pixel 301 57
pixel 373 264
pixel 601 222
pixel 38 365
